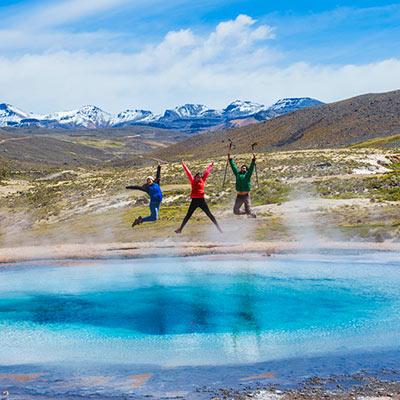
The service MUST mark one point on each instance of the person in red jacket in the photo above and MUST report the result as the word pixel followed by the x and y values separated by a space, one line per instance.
pixel 197 196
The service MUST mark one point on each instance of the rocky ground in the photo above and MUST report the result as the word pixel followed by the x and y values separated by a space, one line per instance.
pixel 359 386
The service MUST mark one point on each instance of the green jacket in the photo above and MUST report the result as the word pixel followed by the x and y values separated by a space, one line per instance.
pixel 243 183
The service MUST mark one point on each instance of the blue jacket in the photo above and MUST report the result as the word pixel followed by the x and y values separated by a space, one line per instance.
pixel 154 190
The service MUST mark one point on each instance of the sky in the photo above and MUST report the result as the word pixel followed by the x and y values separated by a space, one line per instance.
pixel 150 54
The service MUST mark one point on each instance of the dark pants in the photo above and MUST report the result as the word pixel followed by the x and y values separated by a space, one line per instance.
pixel 201 203
pixel 240 199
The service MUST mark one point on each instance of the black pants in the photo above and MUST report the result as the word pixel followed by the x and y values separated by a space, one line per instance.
pixel 195 204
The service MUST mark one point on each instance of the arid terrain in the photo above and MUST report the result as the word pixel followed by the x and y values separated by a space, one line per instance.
pixel 303 199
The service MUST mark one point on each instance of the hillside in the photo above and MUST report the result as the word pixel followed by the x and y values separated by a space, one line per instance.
pixel 77 147
pixel 331 125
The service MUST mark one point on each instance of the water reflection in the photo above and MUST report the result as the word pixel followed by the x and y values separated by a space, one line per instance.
pixel 212 303
pixel 245 312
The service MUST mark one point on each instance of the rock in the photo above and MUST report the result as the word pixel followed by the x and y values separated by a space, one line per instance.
pixel 323 164
pixel 384 163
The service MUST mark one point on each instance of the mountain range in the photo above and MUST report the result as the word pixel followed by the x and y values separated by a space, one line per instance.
pixel 361 121
pixel 187 118
pixel 343 123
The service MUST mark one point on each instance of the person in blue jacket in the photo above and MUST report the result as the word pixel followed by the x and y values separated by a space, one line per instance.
pixel 152 188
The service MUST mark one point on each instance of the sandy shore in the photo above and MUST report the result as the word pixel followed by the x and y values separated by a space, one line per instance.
pixel 177 249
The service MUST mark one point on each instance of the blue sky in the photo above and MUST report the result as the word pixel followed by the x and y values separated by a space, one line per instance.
pixel 118 54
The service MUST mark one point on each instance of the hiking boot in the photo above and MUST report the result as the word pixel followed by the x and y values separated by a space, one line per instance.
pixel 179 230
pixel 135 222
pixel 252 215
pixel 140 220
pixel 219 228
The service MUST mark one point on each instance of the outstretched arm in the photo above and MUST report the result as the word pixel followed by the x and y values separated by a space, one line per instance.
pixel 188 173
pixel 144 188
pixel 207 171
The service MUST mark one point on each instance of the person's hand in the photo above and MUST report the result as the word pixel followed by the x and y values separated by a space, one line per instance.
pixel 183 162
pixel 254 156
pixel 229 155
pixel 212 163
pixel 159 164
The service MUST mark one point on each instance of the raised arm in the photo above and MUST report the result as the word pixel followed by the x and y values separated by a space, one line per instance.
pixel 251 168
pixel 207 171
pixel 158 175
pixel 233 166
pixel 188 173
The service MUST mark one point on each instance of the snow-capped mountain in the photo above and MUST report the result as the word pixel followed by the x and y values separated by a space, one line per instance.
pixel 285 106
pixel 187 111
pixel 87 117
pixel 240 108
pixel 129 117
pixel 293 104
pixel 188 118
pixel 12 116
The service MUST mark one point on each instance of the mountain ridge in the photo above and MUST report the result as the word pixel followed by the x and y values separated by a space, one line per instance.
pixel 188 117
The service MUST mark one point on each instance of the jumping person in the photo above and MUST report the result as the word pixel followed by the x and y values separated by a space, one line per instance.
pixel 197 196
pixel 152 188
pixel 243 186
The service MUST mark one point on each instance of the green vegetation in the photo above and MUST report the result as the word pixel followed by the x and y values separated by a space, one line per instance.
pixel 100 143
pixel 386 187
pixel 270 192
pixel 381 143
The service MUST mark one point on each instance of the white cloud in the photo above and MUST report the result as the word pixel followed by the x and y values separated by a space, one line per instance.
pixel 232 62
pixel 234 39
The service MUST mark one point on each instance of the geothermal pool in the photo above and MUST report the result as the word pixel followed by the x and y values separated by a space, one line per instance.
pixel 198 311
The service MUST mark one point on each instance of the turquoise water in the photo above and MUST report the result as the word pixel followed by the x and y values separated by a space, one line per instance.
pixel 196 311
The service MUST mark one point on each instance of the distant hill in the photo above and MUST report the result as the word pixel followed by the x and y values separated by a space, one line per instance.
pixel 187 118
pixel 78 147
pixel 331 125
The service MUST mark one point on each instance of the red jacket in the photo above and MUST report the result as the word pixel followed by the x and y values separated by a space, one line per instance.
pixel 197 187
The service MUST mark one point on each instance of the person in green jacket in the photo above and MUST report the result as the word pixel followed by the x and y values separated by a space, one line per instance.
pixel 243 186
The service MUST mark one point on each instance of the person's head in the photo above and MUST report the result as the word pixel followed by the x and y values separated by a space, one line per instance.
pixel 243 169
pixel 150 180
pixel 198 176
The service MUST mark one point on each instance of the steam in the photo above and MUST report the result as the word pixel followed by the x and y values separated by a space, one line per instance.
pixel 13 228
pixel 21 235
pixel 297 218
pixel 236 229
pixel 303 216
